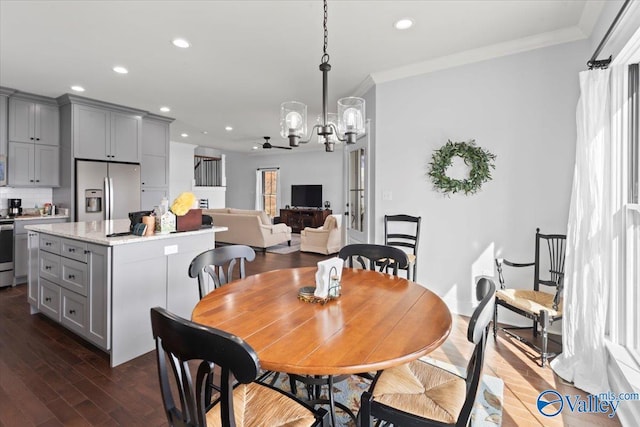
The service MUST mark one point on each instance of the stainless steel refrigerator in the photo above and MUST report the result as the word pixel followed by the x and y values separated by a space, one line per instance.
pixel 106 190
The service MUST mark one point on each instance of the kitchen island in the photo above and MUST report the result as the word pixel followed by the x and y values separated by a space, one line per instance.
pixel 102 288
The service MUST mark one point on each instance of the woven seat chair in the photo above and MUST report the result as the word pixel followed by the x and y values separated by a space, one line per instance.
pixel 543 308
pixel 403 232
pixel 420 394
pixel 183 347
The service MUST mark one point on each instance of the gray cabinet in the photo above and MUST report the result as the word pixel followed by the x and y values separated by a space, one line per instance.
pixel 73 288
pixel 4 119
pixel 31 121
pixel 33 265
pixel 23 242
pixel 33 165
pixel 103 134
pixel 154 167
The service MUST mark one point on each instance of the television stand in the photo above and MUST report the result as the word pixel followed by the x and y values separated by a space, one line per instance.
pixel 299 218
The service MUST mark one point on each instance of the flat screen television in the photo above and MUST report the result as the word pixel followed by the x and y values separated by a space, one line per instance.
pixel 306 196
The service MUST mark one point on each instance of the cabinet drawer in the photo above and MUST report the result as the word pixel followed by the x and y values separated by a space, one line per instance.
pixel 49 266
pixel 74 249
pixel 49 299
pixel 50 244
pixel 73 275
pixel 74 311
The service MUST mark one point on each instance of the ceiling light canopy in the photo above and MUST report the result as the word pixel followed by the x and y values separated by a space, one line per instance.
pixel 182 43
pixel 77 88
pixel 184 135
pixel 228 128
pixel 331 128
pixel 403 24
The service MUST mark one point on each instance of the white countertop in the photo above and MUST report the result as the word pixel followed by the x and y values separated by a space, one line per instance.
pixel 96 231
pixel 38 217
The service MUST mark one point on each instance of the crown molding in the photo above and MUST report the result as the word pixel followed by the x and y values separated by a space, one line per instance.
pixel 481 54
pixel 364 87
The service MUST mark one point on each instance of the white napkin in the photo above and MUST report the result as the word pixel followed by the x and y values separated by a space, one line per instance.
pixel 322 275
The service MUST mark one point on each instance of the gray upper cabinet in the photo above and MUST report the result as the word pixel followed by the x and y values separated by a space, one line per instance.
pixel 33 165
pixel 102 134
pixel 4 119
pixel 34 122
pixel 155 153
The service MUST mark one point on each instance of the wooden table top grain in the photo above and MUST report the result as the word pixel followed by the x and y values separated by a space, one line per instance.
pixel 378 322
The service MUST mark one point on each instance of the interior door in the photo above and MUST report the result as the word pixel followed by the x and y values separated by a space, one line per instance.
pixel 357 221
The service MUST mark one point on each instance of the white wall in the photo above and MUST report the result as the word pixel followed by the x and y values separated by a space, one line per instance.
pixel 521 108
pixel 180 168
pixel 296 167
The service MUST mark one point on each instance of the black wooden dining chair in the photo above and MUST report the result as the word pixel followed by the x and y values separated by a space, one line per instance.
pixel 209 266
pixel 370 256
pixel 543 308
pixel 403 232
pixel 420 394
pixel 185 348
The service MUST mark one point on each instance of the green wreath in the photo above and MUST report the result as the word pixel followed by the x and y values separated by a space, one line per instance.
pixel 480 160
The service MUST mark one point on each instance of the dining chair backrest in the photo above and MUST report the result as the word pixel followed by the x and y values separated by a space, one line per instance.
pixel 370 256
pixel 477 332
pixel 179 341
pixel 403 231
pixel 209 266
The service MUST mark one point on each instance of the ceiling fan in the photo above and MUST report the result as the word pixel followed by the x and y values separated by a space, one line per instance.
pixel 267 145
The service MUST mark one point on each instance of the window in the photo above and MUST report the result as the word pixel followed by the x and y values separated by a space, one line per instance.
pixel 268 190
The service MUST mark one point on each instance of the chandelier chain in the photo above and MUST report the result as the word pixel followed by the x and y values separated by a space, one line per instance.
pixel 325 56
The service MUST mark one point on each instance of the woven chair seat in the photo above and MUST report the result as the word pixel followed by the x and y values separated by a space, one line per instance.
pixel 530 301
pixel 423 390
pixel 255 403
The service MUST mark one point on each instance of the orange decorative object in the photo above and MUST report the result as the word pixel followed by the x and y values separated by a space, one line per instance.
pixel 190 221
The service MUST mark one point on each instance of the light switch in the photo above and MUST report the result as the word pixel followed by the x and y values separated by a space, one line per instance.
pixel 173 249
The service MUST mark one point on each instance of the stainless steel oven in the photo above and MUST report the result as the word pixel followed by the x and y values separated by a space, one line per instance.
pixel 6 252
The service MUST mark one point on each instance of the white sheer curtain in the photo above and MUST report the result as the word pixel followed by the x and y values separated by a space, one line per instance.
pixel 589 241
pixel 259 205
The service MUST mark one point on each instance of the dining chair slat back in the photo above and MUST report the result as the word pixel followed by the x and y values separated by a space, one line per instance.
pixel 374 257
pixel 209 266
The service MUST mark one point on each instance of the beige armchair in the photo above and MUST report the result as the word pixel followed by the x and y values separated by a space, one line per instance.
pixel 323 240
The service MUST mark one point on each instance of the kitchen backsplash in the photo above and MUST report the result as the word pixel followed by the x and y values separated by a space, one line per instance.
pixel 30 196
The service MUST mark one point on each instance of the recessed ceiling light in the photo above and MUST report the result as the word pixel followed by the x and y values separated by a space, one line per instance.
pixel 255 147
pixel 204 132
pixel 228 128
pixel 403 24
pixel 120 70
pixel 165 109
pixel 184 135
pixel 181 43
pixel 77 88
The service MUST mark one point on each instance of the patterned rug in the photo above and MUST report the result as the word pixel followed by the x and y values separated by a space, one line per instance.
pixel 284 248
pixel 487 411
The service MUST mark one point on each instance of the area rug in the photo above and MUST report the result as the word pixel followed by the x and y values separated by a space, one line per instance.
pixel 284 248
pixel 486 413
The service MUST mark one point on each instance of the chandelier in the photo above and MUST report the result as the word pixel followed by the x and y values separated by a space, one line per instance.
pixel 345 126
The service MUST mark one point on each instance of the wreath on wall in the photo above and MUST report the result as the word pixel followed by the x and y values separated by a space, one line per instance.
pixel 479 159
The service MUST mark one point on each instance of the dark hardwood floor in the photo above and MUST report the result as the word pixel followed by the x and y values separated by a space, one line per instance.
pixel 49 377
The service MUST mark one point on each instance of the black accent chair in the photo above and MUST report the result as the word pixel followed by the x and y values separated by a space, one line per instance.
pixel 374 257
pixel 370 257
pixel 212 263
pixel 182 346
pixel 398 395
pixel 403 231
pixel 542 307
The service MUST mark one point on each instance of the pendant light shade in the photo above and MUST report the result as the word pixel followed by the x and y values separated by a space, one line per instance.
pixel 293 121
pixel 351 116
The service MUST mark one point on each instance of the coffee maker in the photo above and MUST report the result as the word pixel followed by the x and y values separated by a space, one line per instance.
pixel 15 207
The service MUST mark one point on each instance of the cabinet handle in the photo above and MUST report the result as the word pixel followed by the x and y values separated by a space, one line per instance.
pixel 72 312
pixel 47 244
pixel 86 251
pixel 47 267
pixel 31 138
pixel 72 249
pixel 30 180
pixel 37 139
pixel 71 276
pixel 37 180
pixel 47 299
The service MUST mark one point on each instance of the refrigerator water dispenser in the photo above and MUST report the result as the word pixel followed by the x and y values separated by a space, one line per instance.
pixel 93 200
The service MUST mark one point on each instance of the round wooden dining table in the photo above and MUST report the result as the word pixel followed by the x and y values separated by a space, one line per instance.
pixel 379 321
